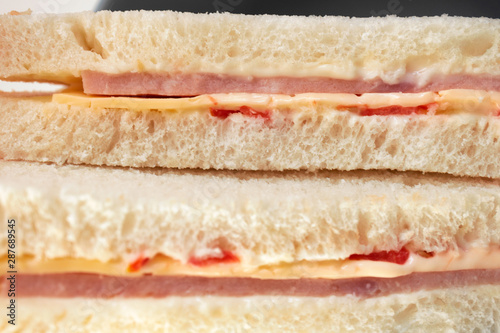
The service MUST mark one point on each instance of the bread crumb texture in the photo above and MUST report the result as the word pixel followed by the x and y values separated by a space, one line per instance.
pixel 264 218
pixel 305 138
pixel 469 309
pixel 59 47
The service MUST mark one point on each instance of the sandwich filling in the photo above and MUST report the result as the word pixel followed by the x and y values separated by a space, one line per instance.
pixel 183 84
pixel 367 275
pixel 103 286
pixel 384 264
pixel 255 105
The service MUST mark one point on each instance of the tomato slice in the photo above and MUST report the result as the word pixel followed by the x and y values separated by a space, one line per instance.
pixel 392 110
pixel 362 110
pixel 397 257
pixel 245 110
pixel 227 257
pixel 137 264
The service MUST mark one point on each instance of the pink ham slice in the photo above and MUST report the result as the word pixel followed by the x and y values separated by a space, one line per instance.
pixel 102 286
pixel 165 84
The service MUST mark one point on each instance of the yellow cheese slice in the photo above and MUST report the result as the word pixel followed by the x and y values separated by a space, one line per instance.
pixel 457 100
pixel 478 258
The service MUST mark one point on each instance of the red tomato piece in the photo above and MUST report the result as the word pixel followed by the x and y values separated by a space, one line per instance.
pixel 245 110
pixel 227 257
pixel 397 257
pixel 137 264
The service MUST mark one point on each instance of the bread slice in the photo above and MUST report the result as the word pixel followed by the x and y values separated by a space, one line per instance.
pixel 105 214
pixel 303 137
pixel 393 49
pixel 467 309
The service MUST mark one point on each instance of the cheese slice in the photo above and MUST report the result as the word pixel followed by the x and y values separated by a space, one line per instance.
pixel 448 101
pixel 477 258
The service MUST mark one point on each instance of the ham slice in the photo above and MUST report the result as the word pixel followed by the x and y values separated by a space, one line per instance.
pixel 103 286
pixel 165 84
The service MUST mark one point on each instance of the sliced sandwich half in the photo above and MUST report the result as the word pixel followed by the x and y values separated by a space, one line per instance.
pixel 126 250
pixel 267 92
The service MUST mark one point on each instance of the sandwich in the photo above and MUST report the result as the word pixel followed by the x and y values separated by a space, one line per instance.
pixel 226 91
pixel 159 250
pixel 222 172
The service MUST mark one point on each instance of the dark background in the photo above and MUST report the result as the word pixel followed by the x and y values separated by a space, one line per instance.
pixel 363 8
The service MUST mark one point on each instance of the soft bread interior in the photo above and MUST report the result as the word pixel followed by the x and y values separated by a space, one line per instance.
pixel 59 47
pixel 302 137
pixel 468 309
pixel 264 218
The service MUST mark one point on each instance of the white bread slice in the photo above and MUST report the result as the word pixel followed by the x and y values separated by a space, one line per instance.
pixel 467 309
pixel 303 137
pixel 102 214
pixel 394 49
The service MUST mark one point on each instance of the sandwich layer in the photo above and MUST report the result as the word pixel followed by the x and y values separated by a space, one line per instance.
pixel 167 84
pixel 383 265
pixel 411 52
pixel 462 309
pixel 107 214
pixel 305 136
pixel 455 101
pixel 101 286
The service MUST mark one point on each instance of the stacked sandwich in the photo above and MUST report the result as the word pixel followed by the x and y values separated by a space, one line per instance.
pixel 221 172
